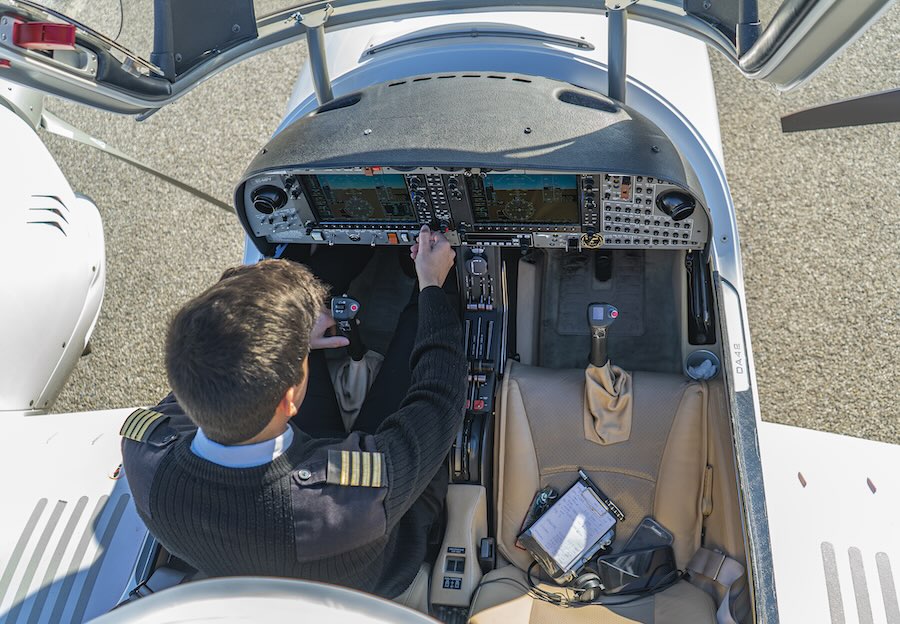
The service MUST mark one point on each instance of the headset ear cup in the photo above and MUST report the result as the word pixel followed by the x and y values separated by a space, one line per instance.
pixel 588 586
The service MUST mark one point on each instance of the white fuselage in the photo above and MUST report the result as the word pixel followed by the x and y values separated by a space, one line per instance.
pixel 53 266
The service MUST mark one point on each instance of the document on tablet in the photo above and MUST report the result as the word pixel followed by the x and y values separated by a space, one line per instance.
pixel 569 531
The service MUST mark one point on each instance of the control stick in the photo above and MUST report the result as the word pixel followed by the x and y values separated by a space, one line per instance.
pixel 344 311
pixel 600 317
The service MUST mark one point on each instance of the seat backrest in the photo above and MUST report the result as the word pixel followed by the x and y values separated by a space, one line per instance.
pixel 658 471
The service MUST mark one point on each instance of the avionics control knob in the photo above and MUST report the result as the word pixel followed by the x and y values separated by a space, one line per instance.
pixel 677 204
pixel 477 266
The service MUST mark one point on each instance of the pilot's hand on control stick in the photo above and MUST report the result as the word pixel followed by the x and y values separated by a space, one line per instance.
pixel 433 256
pixel 317 337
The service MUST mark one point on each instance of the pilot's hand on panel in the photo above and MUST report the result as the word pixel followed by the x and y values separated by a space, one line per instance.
pixel 433 256
pixel 317 337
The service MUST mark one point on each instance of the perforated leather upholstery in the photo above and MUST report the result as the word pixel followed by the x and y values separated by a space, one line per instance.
pixel 658 471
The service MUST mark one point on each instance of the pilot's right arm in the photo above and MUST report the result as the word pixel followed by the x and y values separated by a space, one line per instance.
pixel 415 440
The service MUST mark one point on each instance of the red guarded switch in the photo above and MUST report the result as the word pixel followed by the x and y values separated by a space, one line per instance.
pixel 44 36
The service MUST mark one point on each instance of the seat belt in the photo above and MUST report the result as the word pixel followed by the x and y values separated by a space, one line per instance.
pixel 722 577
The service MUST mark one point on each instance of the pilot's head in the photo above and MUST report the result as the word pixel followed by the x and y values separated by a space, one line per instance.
pixel 236 355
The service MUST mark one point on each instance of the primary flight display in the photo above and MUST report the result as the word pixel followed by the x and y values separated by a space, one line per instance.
pixel 519 198
pixel 355 198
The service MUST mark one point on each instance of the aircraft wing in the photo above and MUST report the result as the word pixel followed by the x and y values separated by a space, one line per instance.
pixel 71 532
pixel 834 518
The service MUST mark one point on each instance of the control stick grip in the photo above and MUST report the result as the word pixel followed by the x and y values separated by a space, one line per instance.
pixel 600 317
pixel 599 356
pixel 344 311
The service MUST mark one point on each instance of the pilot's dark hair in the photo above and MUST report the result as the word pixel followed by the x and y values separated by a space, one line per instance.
pixel 234 350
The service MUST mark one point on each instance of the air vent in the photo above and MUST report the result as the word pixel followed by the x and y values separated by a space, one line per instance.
pixel 447 76
pixel 587 100
pixel 341 102
pixel 51 224
pixel 47 210
pixel 268 199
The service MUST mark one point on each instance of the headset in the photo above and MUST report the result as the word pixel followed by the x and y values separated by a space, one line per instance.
pixel 588 586
pixel 588 589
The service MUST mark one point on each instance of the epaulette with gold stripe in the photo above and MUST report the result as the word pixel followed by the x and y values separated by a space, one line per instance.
pixel 356 469
pixel 140 424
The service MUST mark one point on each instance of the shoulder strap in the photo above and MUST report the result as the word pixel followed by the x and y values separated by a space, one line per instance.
pixel 723 577
pixel 140 424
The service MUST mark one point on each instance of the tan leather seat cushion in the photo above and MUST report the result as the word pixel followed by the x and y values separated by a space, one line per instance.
pixel 658 471
pixel 502 599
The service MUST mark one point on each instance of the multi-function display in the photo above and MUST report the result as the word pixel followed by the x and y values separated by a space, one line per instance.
pixel 360 198
pixel 516 198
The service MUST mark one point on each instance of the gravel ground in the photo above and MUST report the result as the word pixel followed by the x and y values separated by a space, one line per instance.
pixel 823 298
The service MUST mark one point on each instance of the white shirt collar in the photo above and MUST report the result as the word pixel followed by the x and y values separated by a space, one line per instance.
pixel 242 455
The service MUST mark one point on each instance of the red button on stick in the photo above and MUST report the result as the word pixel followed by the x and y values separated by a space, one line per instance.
pixel 354 308
pixel 44 36
pixel 614 314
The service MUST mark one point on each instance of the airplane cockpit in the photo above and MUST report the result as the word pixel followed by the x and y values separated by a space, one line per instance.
pixel 609 463
pixel 586 301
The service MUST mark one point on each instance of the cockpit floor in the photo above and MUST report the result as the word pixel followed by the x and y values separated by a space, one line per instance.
pixel 646 334
pixel 383 290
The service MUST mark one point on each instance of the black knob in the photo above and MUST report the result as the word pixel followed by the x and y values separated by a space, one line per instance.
pixel 267 199
pixel 677 204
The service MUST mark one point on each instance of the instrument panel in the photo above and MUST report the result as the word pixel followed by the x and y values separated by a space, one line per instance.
pixel 524 209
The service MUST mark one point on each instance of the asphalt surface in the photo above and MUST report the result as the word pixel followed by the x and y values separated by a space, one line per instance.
pixel 818 218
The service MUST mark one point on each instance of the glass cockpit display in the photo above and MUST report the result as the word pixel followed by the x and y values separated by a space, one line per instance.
pixel 355 198
pixel 519 198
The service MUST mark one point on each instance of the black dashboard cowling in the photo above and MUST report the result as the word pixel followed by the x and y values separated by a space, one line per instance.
pixel 469 120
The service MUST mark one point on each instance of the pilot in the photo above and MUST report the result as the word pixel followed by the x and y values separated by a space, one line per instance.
pixel 228 482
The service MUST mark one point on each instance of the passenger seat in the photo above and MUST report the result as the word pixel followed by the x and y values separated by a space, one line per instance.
pixel 658 471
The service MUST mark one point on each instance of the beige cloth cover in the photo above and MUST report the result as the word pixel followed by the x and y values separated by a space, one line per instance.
pixel 607 404
pixel 351 380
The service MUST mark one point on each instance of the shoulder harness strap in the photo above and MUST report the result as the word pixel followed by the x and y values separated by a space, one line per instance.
pixel 727 583
pixel 356 468
pixel 140 424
